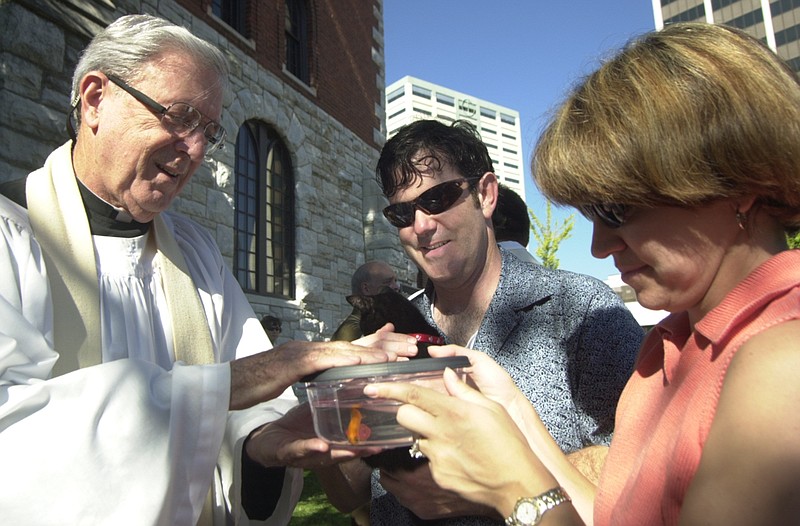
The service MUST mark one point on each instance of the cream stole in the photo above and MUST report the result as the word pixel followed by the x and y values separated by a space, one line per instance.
pixel 59 221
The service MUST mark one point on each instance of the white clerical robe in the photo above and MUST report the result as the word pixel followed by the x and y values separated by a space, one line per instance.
pixel 136 439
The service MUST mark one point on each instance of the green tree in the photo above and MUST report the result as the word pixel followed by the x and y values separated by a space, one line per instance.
pixel 549 236
pixel 794 241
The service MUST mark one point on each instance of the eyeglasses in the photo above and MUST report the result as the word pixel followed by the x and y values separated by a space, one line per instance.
pixel 274 328
pixel 611 215
pixel 432 201
pixel 180 118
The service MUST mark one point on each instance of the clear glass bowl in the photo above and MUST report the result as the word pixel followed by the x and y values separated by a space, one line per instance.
pixel 346 418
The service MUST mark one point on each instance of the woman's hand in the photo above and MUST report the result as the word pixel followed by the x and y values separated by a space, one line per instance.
pixel 491 380
pixel 495 383
pixel 473 444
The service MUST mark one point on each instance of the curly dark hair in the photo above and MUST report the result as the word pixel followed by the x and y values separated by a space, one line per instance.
pixel 429 145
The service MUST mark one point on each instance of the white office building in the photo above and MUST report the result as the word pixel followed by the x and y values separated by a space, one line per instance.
pixel 411 99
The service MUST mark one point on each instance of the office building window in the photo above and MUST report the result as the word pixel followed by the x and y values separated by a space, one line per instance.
pixel 445 99
pixel 716 5
pixel 697 13
pixel 508 119
pixel 790 34
pixel 232 12
pixel 264 214
pixel 489 114
pixel 421 92
pixel 396 94
pixel 781 6
pixel 747 20
pixel 297 26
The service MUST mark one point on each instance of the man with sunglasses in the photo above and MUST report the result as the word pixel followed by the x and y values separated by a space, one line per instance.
pixel 566 339
pixel 133 389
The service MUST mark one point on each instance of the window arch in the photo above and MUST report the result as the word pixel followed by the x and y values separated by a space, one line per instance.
pixel 264 222
pixel 297 26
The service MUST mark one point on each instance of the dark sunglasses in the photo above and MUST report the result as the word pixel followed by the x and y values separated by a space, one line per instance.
pixel 432 201
pixel 611 215
pixel 274 328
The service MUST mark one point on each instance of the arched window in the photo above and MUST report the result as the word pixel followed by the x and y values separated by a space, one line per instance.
pixel 264 223
pixel 232 12
pixel 297 41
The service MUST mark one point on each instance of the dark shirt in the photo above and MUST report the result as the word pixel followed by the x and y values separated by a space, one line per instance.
pixel 350 328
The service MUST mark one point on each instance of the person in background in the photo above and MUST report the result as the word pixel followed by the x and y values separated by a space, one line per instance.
pixel 367 280
pixel 694 205
pixel 272 326
pixel 567 339
pixel 136 384
pixel 512 224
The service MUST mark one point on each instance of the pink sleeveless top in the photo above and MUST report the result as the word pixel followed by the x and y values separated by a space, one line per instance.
pixel 666 410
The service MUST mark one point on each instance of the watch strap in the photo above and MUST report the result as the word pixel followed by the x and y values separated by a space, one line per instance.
pixel 543 503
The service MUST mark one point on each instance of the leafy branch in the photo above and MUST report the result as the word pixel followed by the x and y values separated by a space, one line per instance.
pixel 549 236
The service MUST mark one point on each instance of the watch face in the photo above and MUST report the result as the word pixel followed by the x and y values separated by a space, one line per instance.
pixel 527 513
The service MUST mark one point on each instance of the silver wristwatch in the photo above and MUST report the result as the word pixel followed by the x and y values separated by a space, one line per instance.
pixel 529 510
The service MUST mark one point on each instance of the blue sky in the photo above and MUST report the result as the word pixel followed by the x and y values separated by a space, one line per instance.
pixel 522 54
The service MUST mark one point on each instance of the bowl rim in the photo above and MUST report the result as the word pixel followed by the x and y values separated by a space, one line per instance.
pixel 421 365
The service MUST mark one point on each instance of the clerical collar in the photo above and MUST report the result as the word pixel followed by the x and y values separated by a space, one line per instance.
pixel 106 220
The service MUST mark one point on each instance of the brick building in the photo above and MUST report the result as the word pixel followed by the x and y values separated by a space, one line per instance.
pixel 291 199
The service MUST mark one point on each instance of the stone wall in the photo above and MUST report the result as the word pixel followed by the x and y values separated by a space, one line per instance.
pixel 338 220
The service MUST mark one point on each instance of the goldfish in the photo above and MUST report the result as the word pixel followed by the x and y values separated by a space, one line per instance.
pixel 356 431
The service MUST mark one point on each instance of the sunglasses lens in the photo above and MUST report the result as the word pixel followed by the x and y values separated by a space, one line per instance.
pixel 611 215
pixel 400 215
pixel 433 201
pixel 440 197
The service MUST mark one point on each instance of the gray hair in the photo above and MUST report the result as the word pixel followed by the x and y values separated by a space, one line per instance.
pixel 132 41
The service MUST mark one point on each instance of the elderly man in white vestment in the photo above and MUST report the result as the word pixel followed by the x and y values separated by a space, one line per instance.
pixel 133 384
